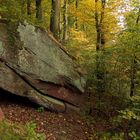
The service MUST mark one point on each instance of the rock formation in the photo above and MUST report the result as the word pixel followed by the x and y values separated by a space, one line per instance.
pixel 34 65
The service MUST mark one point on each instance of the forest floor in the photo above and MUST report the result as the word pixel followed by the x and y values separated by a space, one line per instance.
pixel 63 126
pixel 66 126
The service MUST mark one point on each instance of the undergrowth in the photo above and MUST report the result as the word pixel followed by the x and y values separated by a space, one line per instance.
pixel 13 131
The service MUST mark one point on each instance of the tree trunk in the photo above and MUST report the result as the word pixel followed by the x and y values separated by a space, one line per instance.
pixel 69 15
pixel 28 7
pixel 134 66
pixel 133 76
pixel 39 9
pixel 22 8
pixel 76 20
pixel 65 21
pixel 100 42
pixel 70 20
pixel 55 18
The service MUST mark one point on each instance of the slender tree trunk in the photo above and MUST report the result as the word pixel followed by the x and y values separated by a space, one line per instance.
pixel 98 28
pixel 133 76
pixel 69 15
pixel 138 18
pixel 76 20
pixel 28 7
pixel 39 9
pixel 55 18
pixel 64 21
pixel 134 65
pixel 103 3
pixel 100 42
pixel 69 18
pixel 22 8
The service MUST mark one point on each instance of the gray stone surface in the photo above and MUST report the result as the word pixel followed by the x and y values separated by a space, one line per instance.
pixel 31 59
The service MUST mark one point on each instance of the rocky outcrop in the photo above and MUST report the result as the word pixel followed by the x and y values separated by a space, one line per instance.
pixel 33 64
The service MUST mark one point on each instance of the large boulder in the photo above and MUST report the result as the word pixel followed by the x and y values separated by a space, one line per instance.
pixel 34 65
